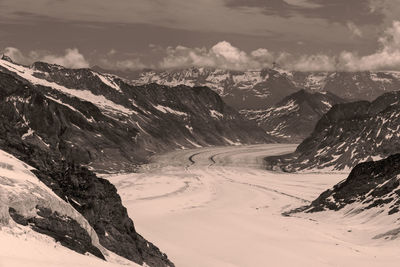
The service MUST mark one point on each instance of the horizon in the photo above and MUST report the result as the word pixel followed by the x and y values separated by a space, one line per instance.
pixel 303 35
pixel 170 70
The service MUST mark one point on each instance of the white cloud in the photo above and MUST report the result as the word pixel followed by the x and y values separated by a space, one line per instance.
pixel 226 56
pixel 16 55
pixel 71 59
pixel 387 57
pixel 354 29
pixel 317 62
pixel 222 55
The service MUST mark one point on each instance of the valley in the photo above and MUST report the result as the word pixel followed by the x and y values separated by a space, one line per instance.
pixel 226 133
pixel 217 206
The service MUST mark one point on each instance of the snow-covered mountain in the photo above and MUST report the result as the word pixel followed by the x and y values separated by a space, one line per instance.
pixel 107 124
pixel 294 118
pixel 349 134
pixel 240 89
pixel 264 88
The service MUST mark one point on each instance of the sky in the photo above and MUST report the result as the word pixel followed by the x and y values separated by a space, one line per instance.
pixel 306 35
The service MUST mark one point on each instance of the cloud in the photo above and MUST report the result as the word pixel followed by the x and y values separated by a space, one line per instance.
pixel 16 55
pixel 361 11
pixel 318 62
pixel 225 55
pixel 353 28
pixel 221 55
pixel 71 59
pixel 387 57
pixel 126 64
pixel 110 61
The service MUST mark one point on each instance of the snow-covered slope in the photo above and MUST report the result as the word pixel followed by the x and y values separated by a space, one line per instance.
pixel 264 88
pixel 30 211
pixel 349 134
pixel 294 117
pixel 20 247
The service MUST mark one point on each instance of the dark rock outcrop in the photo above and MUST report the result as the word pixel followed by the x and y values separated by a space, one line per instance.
pixel 62 228
pixel 370 184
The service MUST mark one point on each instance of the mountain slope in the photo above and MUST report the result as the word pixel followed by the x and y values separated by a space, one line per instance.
pixel 264 88
pixel 96 199
pixel 29 210
pixel 101 121
pixel 294 117
pixel 370 194
pixel 53 132
pixel 348 134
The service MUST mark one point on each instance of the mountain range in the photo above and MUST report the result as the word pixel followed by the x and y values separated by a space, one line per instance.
pixel 260 89
pixel 348 134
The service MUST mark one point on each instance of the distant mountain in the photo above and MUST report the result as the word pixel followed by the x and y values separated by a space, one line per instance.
pixel 128 74
pixel 294 118
pixel 348 134
pixel 242 90
pixel 371 192
pixel 264 88
pixel 106 124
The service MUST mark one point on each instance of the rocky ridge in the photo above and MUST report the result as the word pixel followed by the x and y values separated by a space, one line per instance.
pixel 350 133
pixel 294 117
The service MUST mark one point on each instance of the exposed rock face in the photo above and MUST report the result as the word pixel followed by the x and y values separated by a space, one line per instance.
pixel 62 228
pixel 103 122
pixel 294 118
pixel 24 199
pixel 370 196
pixel 370 184
pixel 348 134
pixel 264 88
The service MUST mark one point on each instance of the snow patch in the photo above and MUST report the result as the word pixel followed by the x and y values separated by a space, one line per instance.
pixel 165 109
pixel 215 114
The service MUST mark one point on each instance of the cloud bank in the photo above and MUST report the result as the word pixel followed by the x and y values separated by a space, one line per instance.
pixel 222 55
pixel 72 58
pixel 226 56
